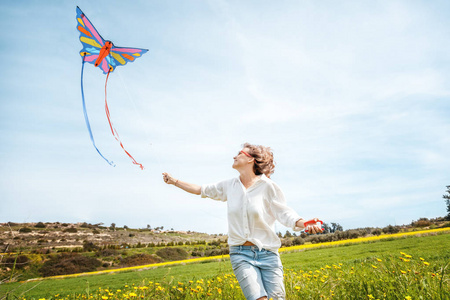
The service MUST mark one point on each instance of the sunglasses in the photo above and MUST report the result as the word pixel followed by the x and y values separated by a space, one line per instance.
pixel 245 153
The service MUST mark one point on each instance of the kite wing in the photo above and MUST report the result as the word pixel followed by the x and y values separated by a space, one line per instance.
pixel 102 53
pixel 92 42
pixel 121 56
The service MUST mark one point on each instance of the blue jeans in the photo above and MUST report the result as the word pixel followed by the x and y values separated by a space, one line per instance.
pixel 259 273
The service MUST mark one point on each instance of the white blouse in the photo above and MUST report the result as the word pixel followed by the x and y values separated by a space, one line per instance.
pixel 252 212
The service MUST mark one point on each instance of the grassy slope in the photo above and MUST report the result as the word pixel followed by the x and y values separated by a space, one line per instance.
pixel 432 248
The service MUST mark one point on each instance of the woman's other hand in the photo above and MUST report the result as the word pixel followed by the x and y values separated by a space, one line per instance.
pixel 310 228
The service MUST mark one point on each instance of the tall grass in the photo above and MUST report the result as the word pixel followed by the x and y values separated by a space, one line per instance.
pixel 391 276
pixel 399 276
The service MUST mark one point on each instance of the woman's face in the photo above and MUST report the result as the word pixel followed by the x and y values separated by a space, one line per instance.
pixel 242 159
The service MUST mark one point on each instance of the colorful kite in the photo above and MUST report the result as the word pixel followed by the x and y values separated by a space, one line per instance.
pixel 107 57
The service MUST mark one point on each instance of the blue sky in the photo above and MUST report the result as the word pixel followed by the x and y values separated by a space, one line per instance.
pixel 352 96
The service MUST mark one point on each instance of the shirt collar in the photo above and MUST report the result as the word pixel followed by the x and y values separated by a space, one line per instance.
pixel 262 178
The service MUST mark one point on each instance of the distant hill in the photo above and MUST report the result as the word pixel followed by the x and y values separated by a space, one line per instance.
pixel 55 235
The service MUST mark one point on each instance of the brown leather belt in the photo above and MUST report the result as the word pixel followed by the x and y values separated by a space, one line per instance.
pixel 247 243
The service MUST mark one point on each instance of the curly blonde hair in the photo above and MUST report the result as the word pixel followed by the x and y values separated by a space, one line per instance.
pixel 263 156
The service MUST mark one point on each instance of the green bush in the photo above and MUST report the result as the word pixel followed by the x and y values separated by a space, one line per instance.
pixel 89 246
pixel 298 241
pixel 40 225
pixel 422 222
pixel 172 253
pixel 286 242
pixel 25 230
pixel 215 252
pixel 106 252
pixel 70 230
pixel 376 231
pixel 68 263
pixel 391 229
pixel 215 243
pixel 139 259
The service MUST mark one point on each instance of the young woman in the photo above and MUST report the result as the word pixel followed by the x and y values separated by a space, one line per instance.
pixel 254 203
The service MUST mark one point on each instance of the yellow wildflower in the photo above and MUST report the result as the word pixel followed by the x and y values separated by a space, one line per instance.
pixel 426 263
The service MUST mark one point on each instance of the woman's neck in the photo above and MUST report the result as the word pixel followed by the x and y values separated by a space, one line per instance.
pixel 248 179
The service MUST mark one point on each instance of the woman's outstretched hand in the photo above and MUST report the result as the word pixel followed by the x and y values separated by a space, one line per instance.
pixel 186 186
pixel 169 179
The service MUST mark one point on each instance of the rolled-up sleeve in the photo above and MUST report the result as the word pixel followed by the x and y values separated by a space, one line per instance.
pixel 283 213
pixel 215 191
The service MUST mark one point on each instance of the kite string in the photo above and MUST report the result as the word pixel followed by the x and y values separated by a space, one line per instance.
pixel 86 116
pixel 113 130
pixel 137 111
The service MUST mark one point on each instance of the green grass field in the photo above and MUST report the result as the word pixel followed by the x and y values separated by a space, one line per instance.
pixel 375 270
